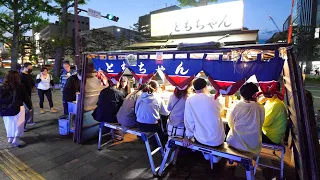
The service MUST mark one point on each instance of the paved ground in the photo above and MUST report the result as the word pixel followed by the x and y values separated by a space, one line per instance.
pixel 47 155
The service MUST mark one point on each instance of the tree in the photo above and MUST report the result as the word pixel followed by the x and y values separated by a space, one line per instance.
pixel 4 54
pixel 306 45
pixel 195 3
pixel 47 49
pixel 16 18
pixel 64 6
pixel 97 40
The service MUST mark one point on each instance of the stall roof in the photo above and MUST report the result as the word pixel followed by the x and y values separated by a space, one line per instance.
pixel 172 50
pixel 231 39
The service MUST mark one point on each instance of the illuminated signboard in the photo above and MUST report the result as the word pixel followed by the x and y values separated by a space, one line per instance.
pixel 211 18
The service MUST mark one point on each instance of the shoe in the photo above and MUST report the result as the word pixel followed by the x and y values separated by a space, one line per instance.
pixel 10 140
pixel 42 111
pixel 32 124
pixel 16 141
pixel 53 110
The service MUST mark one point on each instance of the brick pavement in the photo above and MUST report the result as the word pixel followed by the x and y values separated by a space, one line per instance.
pixel 51 156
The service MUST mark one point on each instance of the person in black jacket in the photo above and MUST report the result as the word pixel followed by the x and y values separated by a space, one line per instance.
pixel 70 89
pixel 12 97
pixel 109 102
pixel 28 84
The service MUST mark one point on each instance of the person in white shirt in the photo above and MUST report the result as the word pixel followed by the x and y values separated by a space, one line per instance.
pixel 45 81
pixel 149 107
pixel 202 118
pixel 245 120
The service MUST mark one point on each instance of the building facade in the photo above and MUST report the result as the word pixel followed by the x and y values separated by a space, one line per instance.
pixel 52 30
pixel 305 13
pixel 145 21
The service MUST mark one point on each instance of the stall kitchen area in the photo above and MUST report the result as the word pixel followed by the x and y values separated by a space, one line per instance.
pixel 48 155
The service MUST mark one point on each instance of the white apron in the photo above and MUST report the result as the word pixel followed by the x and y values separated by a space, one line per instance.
pixel 15 124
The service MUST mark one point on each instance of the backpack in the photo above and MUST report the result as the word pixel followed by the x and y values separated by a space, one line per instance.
pixel 126 115
pixel 9 104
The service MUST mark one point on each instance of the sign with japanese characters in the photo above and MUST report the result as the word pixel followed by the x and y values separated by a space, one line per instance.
pixel 210 18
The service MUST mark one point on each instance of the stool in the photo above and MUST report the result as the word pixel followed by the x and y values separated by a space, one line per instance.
pixel 273 147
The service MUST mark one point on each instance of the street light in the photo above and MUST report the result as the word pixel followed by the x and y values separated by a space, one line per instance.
pixel 52 40
pixel 118 29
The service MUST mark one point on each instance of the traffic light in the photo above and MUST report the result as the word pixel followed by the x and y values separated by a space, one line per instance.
pixel 112 17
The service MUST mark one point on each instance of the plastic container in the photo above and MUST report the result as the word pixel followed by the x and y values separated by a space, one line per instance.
pixel 64 126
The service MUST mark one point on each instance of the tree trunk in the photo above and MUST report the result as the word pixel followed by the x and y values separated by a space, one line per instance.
pixel 60 49
pixel 308 66
pixel 15 38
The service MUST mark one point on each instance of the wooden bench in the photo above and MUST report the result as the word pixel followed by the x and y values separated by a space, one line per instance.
pixel 224 151
pixel 145 137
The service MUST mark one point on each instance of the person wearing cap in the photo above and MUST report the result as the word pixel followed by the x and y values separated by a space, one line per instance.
pixel 275 123
pixel 109 102
pixel 124 86
pixel 202 119
pixel 245 120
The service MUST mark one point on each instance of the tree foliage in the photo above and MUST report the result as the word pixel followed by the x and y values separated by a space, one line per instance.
pixel 195 3
pixel 97 40
pixel 16 18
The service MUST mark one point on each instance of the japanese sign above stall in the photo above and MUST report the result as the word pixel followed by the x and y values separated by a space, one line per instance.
pixel 210 18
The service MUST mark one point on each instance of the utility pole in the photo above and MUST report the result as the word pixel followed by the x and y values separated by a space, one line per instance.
pixel 76 34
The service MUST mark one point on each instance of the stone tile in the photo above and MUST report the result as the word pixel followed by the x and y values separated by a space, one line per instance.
pixel 84 170
pixel 62 159
pixel 89 157
pixel 100 162
pixel 45 166
pixel 37 160
pixel 113 168
pixel 54 173
pixel 98 175
pixel 69 176
pixel 55 153
pixel 79 152
pixel 28 155
pixel 70 147
pixel 74 164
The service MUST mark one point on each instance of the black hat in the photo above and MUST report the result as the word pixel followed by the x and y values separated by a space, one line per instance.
pixel 199 83
pixel 248 90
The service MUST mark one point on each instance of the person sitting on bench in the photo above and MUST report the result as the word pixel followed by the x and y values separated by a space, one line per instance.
pixel 176 106
pixel 126 115
pixel 148 108
pixel 202 119
pixel 275 123
pixel 245 120
pixel 109 103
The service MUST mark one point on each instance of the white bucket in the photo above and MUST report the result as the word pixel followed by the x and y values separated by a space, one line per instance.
pixel 64 126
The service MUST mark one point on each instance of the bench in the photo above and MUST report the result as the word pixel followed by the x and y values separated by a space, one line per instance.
pixel 245 158
pixel 144 136
pixel 273 147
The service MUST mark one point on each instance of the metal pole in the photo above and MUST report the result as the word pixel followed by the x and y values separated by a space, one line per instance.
pixel 76 33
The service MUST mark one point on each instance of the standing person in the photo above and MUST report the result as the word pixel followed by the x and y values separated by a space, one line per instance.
pixel 70 89
pixel 176 106
pixel 12 97
pixel 66 73
pixel 149 107
pixel 202 119
pixel 45 81
pixel 245 120
pixel 109 102
pixel 124 86
pixel 27 82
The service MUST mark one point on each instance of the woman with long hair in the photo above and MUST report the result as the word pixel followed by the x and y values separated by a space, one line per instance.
pixel 45 81
pixel 176 105
pixel 124 86
pixel 149 107
pixel 12 97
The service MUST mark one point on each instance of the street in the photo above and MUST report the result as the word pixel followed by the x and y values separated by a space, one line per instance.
pixel 315 90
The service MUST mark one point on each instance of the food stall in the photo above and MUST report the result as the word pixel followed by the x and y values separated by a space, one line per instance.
pixel 227 69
